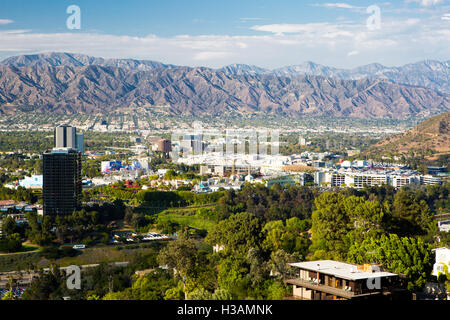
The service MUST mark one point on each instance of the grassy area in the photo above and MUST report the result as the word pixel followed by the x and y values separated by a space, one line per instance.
pixel 26 248
pixel 191 221
pixel 98 255
pixel 30 248
pixel 186 217
pixel 15 262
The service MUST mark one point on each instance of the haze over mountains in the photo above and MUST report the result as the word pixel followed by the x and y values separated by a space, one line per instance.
pixel 75 83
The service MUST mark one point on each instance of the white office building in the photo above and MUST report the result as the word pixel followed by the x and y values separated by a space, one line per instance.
pixel 430 180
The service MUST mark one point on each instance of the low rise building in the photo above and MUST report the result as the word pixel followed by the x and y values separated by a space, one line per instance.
pixel 286 180
pixel 428 179
pixel 33 182
pixel 337 179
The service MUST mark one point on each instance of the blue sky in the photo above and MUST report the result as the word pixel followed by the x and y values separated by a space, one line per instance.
pixel 214 33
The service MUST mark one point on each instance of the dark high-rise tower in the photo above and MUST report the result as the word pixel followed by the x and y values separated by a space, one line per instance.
pixel 62 181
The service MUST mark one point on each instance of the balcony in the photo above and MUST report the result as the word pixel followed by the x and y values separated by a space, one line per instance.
pixel 344 293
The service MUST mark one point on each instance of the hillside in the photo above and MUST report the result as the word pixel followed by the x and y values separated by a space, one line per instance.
pixel 431 137
pixel 72 83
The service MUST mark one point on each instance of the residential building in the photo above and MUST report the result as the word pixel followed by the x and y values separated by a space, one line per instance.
pixel 334 280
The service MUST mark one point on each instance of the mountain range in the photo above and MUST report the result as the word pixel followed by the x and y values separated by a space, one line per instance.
pixel 429 73
pixel 75 83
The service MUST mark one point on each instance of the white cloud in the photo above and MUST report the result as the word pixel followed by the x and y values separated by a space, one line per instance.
pixel 446 17
pixel 250 19
pixel 5 21
pixel 426 3
pixel 326 29
pixel 280 29
pixel 399 41
pixel 212 55
pixel 339 5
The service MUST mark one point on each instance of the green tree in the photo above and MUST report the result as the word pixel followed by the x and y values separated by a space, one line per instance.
pixel 200 294
pixel 182 256
pixel 277 291
pixel 415 214
pixel 238 234
pixel 175 293
pixel 9 227
pixel 290 237
pixel 221 294
pixel 279 262
pixel 232 277
pixel 409 256
pixel 367 219
pixel 331 223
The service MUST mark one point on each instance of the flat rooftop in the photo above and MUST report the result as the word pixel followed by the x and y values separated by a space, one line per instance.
pixel 339 269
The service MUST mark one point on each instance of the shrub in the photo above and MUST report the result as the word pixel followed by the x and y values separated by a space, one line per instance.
pixel 10 245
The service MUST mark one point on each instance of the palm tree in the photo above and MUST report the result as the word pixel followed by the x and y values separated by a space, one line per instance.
pixel 11 282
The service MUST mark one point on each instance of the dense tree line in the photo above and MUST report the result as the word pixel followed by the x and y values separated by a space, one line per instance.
pixel 19 194
pixel 401 230
pixel 275 203
pixel 14 162
pixel 330 142
pixel 408 256
pixel 29 142
pixel 170 199
pixel 259 231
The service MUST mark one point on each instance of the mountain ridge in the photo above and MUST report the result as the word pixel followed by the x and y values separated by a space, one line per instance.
pixel 432 74
pixel 83 84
